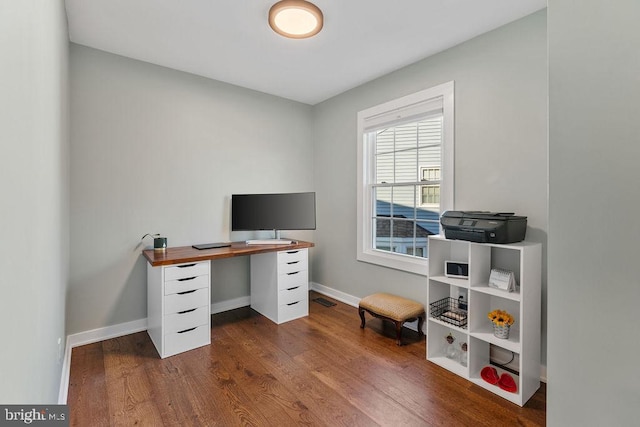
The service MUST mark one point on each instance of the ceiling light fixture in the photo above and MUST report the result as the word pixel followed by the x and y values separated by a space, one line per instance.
pixel 296 19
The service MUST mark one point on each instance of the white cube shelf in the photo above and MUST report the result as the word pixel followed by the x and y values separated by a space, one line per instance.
pixel 525 260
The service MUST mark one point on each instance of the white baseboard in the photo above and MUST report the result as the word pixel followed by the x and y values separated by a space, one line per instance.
pixel 90 337
pixel 108 332
pixel 232 304
pixel 64 376
pixel 335 294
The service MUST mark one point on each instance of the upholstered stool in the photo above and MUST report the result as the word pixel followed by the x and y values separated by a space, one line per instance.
pixel 393 308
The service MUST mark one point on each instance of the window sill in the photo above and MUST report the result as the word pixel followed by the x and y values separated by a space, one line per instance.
pixel 396 261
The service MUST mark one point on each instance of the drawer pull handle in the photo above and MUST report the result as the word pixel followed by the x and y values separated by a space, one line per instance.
pixel 186 265
pixel 292 252
pixel 293 303
pixel 186 311
pixel 295 272
pixel 187 278
pixel 187 330
pixel 290 289
pixel 293 262
pixel 187 292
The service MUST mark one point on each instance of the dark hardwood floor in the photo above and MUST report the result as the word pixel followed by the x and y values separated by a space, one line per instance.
pixel 322 370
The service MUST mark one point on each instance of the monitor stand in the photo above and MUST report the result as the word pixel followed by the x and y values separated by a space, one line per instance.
pixel 276 241
pixel 270 242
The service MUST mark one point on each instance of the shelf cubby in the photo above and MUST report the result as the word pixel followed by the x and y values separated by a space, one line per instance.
pixel 437 343
pixel 481 327
pixel 446 250
pixel 481 360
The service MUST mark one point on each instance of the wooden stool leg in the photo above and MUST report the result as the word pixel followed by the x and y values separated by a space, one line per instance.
pixel 420 324
pixel 361 311
pixel 398 332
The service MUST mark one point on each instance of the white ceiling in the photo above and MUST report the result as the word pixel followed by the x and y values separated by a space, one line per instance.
pixel 231 41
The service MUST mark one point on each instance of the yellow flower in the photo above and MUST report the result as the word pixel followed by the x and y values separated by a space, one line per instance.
pixel 501 318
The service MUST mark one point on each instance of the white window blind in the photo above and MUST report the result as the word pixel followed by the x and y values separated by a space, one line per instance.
pixel 403 114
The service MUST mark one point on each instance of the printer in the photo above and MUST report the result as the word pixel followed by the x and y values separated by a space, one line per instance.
pixel 484 227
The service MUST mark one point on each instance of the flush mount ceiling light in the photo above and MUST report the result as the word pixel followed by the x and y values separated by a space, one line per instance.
pixel 296 19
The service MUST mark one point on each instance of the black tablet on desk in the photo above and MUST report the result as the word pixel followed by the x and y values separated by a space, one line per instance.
pixel 212 245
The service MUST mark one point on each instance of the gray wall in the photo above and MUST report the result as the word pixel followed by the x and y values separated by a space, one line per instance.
pixel 155 150
pixel 594 204
pixel 35 203
pixel 500 147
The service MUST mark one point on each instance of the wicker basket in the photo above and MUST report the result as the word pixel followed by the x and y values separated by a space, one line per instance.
pixel 501 331
pixel 448 311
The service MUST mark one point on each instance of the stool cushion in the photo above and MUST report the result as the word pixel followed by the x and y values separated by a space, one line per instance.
pixel 392 306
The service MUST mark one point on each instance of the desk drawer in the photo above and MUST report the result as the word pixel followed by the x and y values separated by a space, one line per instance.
pixel 285 257
pixel 186 270
pixel 293 310
pixel 186 284
pixel 293 266
pixel 186 340
pixel 186 301
pixel 298 293
pixel 292 279
pixel 186 319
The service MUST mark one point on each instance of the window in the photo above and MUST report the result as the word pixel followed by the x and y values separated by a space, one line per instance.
pixel 405 177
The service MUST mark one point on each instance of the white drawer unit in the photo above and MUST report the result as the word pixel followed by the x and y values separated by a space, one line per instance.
pixel 178 304
pixel 280 284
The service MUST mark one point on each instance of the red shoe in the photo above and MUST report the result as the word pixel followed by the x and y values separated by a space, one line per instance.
pixel 490 375
pixel 507 383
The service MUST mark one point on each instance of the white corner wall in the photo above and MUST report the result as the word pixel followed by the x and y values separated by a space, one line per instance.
pixel 155 150
pixel 34 204
pixel 594 203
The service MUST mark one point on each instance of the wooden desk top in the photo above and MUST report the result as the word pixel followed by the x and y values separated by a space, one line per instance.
pixel 182 254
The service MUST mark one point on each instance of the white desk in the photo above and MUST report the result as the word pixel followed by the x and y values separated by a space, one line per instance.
pixel 179 290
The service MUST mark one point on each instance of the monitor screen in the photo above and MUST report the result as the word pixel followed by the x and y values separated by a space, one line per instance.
pixel 278 211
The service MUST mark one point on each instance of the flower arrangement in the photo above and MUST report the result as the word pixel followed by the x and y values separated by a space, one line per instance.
pixel 500 318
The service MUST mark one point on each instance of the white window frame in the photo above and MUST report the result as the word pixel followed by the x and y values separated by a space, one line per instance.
pixel 394 111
